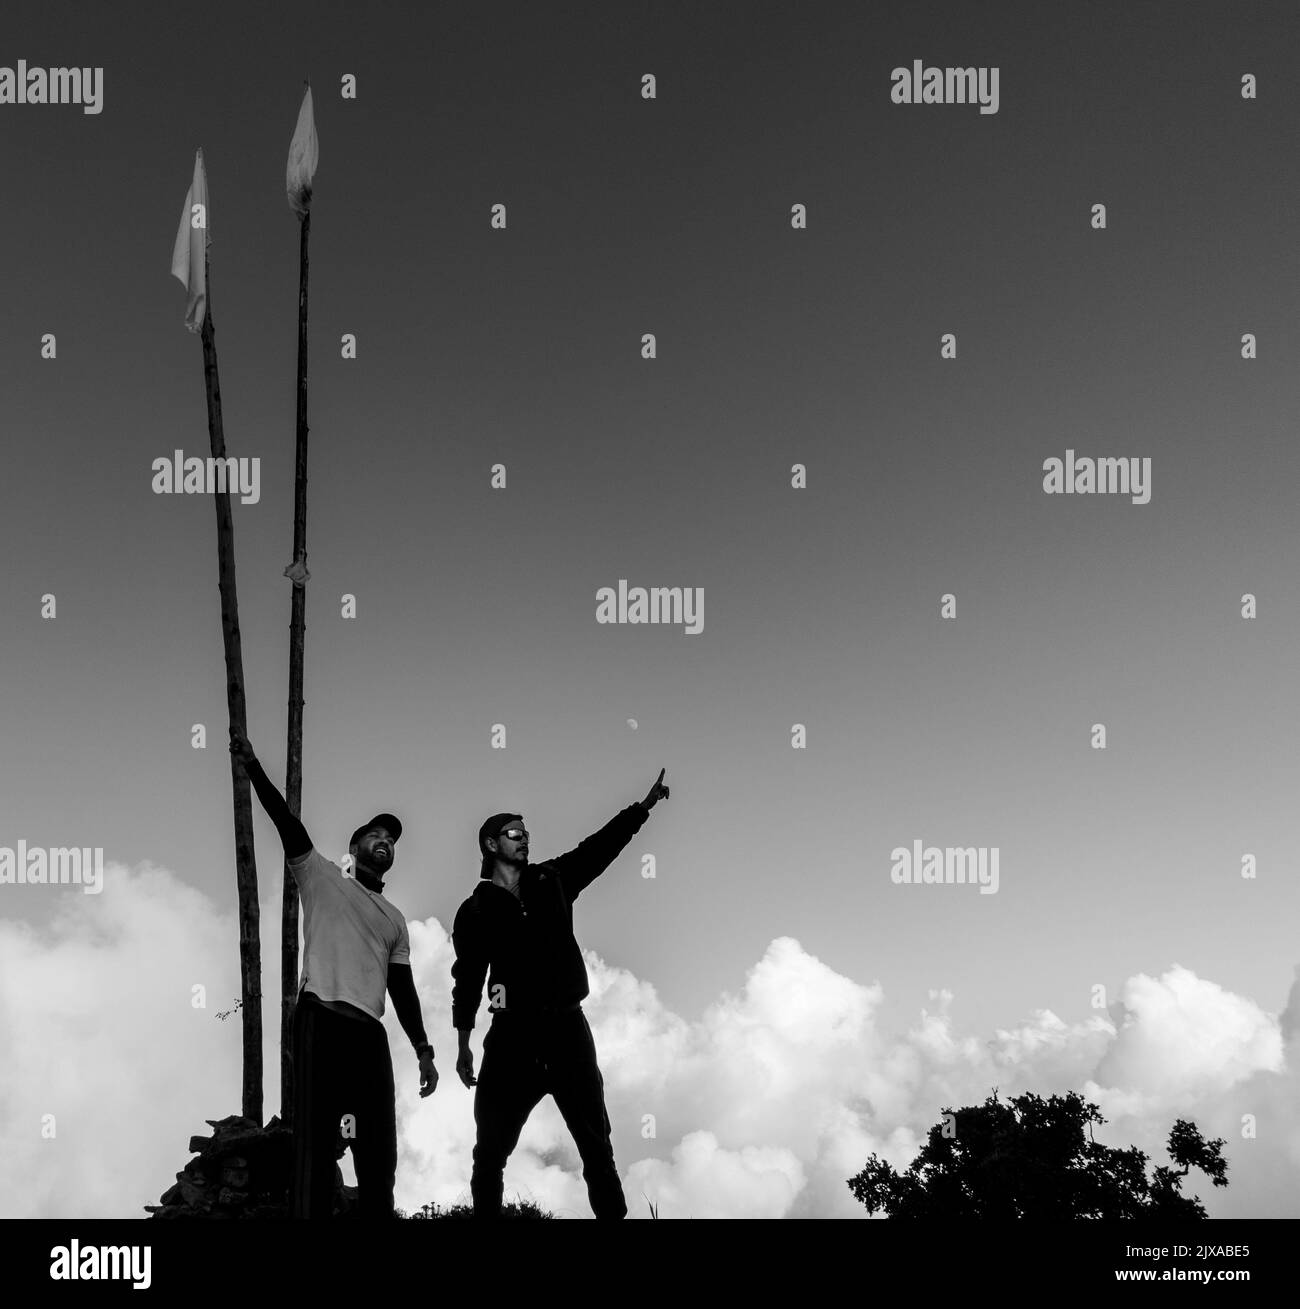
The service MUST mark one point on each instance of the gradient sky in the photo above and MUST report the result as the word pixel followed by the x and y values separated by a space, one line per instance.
pixel 775 346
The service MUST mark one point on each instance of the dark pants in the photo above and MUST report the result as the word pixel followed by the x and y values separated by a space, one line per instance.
pixel 526 1057
pixel 341 1066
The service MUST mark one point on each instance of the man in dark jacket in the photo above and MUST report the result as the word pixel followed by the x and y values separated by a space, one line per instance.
pixel 516 931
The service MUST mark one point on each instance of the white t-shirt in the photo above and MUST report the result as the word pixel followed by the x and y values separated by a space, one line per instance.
pixel 350 935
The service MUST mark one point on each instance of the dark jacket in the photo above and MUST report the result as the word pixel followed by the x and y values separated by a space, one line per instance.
pixel 528 943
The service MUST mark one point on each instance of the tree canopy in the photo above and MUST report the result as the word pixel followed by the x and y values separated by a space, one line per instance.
pixel 1027 1157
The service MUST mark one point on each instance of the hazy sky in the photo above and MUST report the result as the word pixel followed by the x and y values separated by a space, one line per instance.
pixel 775 346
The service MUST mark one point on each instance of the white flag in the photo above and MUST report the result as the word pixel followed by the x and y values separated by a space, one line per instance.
pixel 303 153
pixel 192 241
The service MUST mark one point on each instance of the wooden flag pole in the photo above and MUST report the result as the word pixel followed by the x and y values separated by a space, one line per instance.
pixel 250 959
pixel 297 572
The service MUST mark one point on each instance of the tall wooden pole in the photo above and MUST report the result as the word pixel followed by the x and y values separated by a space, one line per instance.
pixel 250 957
pixel 297 572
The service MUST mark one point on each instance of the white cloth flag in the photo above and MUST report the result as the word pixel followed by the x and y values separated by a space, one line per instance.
pixel 303 153
pixel 191 246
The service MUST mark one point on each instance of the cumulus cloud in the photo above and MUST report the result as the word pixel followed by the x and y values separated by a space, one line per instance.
pixel 703 1180
pixel 762 1106
pixel 1179 1032
pixel 774 1096
pixel 1187 1048
pixel 99 1032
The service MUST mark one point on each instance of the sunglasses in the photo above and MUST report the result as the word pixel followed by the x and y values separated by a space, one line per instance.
pixel 514 833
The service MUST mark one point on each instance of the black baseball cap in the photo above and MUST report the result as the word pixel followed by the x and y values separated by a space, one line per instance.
pixel 387 821
pixel 493 827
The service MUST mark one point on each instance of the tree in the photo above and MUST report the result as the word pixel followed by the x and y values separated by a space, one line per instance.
pixel 1035 1158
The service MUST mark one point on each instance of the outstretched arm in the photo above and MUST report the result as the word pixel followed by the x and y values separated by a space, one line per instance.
pixel 293 835
pixel 583 864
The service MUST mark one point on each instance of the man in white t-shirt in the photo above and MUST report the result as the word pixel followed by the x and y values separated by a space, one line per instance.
pixel 355 947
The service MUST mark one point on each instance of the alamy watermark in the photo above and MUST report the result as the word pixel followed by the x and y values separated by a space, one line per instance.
pixel 102 1263
pixel 680 605
pixel 1126 475
pixel 936 866
pixel 53 86
pixel 919 85
pixel 204 476
pixel 56 866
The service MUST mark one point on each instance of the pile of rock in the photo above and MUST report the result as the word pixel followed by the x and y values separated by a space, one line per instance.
pixel 241 1171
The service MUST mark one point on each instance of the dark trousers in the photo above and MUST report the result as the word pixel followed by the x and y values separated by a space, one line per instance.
pixel 526 1057
pixel 341 1066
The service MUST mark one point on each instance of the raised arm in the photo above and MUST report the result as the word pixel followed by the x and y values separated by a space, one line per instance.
pixel 293 835
pixel 585 862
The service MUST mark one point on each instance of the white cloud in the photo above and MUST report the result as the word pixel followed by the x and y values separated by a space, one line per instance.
pixel 1181 1034
pixel 702 1180
pixel 776 1095
pixel 762 1106
pixel 98 1028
